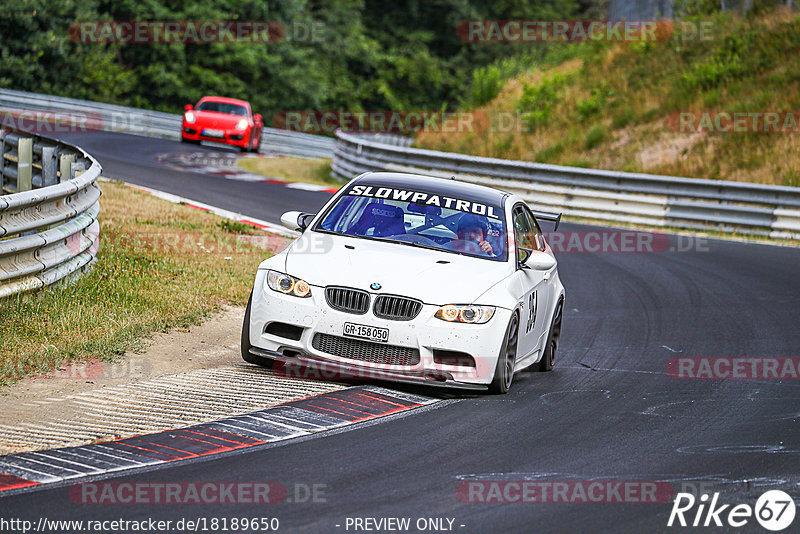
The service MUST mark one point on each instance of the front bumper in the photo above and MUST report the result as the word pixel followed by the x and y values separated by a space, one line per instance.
pixel 430 336
pixel 237 138
pixel 308 366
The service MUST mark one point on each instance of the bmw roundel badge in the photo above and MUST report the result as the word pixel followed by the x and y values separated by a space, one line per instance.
pixel 375 285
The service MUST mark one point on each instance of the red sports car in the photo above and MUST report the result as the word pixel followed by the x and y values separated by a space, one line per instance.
pixel 222 120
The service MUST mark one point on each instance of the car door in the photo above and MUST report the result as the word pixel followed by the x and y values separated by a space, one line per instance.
pixel 547 289
pixel 531 287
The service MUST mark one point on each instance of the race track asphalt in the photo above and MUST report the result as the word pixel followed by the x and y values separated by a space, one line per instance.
pixel 135 159
pixel 608 412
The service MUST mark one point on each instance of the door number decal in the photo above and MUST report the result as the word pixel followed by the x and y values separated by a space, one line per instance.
pixel 533 302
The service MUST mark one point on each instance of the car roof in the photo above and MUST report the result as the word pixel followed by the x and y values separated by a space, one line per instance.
pixel 442 186
pixel 225 100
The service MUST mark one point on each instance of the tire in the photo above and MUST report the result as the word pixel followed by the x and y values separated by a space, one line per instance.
pixel 504 370
pixel 189 141
pixel 545 365
pixel 246 355
pixel 246 147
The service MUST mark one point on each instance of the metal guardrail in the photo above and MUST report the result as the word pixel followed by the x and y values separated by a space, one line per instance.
pixel 108 117
pixel 48 219
pixel 606 196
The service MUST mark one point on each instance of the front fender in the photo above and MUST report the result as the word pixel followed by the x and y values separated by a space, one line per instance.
pixel 276 263
pixel 501 295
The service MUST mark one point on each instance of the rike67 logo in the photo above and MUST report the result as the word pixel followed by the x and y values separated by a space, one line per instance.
pixel 774 511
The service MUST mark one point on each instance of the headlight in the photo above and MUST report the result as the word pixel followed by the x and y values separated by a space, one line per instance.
pixel 465 314
pixel 242 124
pixel 190 117
pixel 283 283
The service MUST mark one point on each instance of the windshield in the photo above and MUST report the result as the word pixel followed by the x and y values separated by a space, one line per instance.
pixel 222 107
pixel 419 218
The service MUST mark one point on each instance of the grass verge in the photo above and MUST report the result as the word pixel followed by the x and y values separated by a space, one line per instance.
pixel 616 105
pixel 310 171
pixel 160 266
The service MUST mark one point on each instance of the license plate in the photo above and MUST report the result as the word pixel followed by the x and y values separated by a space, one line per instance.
pixel 372 333
pixel 213 133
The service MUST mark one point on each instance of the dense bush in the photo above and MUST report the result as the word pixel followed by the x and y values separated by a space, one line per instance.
pixel 537 101
pixel 365 54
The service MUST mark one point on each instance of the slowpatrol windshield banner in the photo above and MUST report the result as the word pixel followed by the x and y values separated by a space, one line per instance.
pixel 425 199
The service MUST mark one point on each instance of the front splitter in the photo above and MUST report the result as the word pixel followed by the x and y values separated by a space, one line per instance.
pixel 354 372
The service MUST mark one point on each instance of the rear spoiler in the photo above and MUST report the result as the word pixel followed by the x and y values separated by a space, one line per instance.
pixel 546 216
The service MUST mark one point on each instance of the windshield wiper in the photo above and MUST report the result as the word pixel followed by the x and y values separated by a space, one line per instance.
pixel 410 243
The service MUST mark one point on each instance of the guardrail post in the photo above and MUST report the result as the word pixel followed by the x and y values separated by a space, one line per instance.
pixel 77 169
pixel 24 164
pixel 65 167
pixel 2 159
pixel 49 171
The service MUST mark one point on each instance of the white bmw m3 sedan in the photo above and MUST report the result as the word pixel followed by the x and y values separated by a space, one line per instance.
pixel 411 278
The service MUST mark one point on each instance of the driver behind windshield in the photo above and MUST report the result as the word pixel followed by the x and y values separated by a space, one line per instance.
pixel 472 229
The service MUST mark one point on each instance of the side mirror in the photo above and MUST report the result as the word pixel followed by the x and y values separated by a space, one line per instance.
pixel 296 220
pixel 258 118
pixel 522 257
pixel 538 261
pixel 188 107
